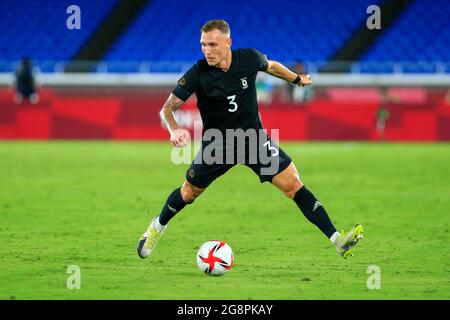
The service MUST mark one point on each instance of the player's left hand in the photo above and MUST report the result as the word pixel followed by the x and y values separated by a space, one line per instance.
pixel 305 80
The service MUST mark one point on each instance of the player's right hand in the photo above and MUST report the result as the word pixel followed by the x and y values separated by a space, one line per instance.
pixel 180 138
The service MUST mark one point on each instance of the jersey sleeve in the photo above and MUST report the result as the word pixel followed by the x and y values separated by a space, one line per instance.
pixel 261 61
pixel 187 84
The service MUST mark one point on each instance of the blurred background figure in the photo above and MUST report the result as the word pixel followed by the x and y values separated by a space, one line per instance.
pixel 24 83
pixel 295 93
pixel 383 111
pixel 382 117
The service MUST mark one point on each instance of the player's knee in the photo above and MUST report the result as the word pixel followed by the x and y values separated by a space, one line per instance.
pixel 189 193
pixel 292 187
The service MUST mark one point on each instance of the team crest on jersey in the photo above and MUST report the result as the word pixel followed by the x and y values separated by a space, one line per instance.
pixel 182 81
pixel 191 173
pixel 244 83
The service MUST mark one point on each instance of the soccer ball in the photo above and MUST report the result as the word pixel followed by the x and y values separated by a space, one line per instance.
pixel 215 258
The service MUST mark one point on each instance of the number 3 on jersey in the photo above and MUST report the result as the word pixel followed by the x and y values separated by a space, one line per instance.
pixel 271 148
pixel 234 104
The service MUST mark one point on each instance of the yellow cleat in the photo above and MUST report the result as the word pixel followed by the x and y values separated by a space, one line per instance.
pixel 347 241
pixel 149 239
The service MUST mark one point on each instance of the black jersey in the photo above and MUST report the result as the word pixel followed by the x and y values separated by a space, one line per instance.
pixel 226 100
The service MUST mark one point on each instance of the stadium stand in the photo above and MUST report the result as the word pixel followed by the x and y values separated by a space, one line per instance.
pixel 164 36
pixel 421 33
pixel 286 30
pixel 38 29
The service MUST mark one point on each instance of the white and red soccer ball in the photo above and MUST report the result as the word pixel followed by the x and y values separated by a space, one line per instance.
pixel 215 258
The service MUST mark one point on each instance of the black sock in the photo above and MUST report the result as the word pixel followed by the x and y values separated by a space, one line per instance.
pixel 173 205
pixel 314 211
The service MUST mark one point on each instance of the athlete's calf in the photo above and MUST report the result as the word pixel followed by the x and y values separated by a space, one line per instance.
pixel 288 181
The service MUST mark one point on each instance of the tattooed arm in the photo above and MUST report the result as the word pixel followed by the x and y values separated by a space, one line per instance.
pixel 172 104
pixel 178 136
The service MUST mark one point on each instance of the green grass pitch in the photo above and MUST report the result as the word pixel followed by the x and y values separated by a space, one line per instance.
pixel 87 203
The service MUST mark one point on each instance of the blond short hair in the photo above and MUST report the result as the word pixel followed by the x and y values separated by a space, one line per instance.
pixel 220 25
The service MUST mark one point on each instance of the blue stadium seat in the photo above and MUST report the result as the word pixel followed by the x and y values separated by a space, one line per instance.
pixel 285 30
pixel 165 35
pixel 38 29
pixel 422 33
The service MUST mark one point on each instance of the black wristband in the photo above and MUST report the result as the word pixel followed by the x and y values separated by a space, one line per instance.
pixel 297 80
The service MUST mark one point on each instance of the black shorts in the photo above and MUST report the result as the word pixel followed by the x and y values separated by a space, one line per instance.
pixel 266 164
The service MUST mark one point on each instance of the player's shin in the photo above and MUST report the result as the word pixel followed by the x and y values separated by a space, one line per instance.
pixel 315 212
pixel 174 204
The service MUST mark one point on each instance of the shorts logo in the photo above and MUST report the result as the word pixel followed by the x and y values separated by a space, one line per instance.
pixel 191 173
pixel 182 81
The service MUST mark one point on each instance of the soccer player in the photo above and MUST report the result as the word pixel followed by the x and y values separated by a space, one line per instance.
pixel 224 83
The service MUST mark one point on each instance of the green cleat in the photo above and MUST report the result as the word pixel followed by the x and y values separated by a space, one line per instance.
pixel 347 241
pixel 149 239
